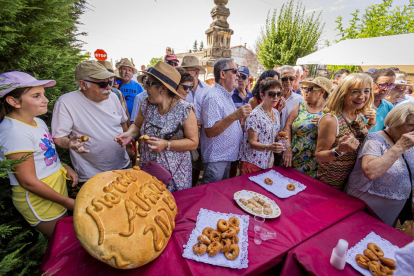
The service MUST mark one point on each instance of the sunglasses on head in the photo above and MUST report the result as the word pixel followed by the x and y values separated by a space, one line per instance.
pixel 310 88
pixel 172 63
pixel 187 87
pixel 274 94
pixel 385 85
pixel 148 84
pixel 233 70
pixel 243 77
pixel 288 78
pixel 102 84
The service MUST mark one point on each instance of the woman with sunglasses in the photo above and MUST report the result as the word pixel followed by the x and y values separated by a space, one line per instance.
pixel 301 126
pixel 256 99
pixel 186 84
pixel 342 129
pixel 170 123
pixel 382 176
pixel 262 126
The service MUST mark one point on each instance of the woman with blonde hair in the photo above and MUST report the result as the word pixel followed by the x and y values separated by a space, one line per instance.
pixel 342 129
pixel 382 176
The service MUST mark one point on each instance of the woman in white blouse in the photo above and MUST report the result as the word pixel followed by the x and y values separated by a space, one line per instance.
pixel 382 176
pixel 261 128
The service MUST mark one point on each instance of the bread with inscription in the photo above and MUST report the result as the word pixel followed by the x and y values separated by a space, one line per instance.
pixel 124 218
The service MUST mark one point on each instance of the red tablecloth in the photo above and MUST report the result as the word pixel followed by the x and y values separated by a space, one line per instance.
pixel 316 208
pixel 312 256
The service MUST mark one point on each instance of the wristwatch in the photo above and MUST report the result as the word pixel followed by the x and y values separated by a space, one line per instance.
pixel 168 145
pixel 335 153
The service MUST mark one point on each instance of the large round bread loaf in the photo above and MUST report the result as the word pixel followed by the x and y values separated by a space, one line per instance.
pixel 124 218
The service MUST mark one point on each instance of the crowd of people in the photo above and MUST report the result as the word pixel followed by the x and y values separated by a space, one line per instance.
pixel 354 132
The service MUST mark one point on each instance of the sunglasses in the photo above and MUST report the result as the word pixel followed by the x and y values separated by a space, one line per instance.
pixel 148 84
pixel 243 77
pixel 309 88
pixel 385 86
pixel 118 81
pixel 172 63
pixel 102 84
pixel 233 70
pixel 187 87
pixel 274 94
pixel 400 88
pixel 288 78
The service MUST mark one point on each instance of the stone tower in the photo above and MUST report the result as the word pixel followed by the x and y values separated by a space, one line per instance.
pixel 218 36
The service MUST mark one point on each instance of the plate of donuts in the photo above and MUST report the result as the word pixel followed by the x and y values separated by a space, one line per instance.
pixel 257 204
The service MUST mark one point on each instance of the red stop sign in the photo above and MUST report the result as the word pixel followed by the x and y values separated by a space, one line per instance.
pixel 100 54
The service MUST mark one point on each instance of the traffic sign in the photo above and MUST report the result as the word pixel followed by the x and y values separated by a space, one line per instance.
pixel 100 54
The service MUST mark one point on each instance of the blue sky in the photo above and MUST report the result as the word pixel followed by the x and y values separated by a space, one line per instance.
pixel 141 29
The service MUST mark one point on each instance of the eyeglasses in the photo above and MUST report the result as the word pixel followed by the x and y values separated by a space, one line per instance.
pixel 102 84
pixel 233 70
pixel 274 94
pixel 187 87
pixel 148 84
pixel 310 88
pixel 400 88
pixel 172 63
pixel 288 78
pixel 243 77
pixel 383 86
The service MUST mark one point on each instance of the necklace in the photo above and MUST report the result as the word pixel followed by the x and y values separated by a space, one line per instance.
pixel 270 117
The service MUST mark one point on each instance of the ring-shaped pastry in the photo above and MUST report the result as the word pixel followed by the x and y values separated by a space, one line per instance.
pixel 228 234
pixel 268 181
pixel 233 252
pixel 371 255
pixel 199 249
pixel 203 239
pixel 215 236
pixel 235 228
pixel 234 240
pixel 376 249
pixel 213 249
pixel 290 187
pixel 234 221
pixel 225 243
pixel 222 225
pixel 362 261
pixel 387 261
pixel 207 231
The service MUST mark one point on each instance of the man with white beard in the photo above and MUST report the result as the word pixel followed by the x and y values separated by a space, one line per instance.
pixel 93 111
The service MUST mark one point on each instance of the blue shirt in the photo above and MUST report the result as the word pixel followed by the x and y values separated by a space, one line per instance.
pixel 238 100
pixel 196 98
pixel 382 112
pixel 218 104
pixel 129 91
pixel 137 103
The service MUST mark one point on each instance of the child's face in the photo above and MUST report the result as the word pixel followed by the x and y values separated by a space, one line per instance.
pixel 34 102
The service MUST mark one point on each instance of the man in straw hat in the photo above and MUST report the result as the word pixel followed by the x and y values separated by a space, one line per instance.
pixel 130 88
pixel 397 95
pixel 92 110
pixel 221 131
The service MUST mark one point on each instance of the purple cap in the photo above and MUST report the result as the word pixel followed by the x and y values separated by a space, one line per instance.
pixel 16 79
pixel 372 70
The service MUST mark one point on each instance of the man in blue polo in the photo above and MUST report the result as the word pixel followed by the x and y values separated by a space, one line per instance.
pixel 241 95
pixel 130 88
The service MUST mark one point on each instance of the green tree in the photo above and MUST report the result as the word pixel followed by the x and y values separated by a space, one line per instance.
pixel 154 61
pixel 195 46
pixel 378 20
pixel 201 46
pixel 290 35
pixel 37 37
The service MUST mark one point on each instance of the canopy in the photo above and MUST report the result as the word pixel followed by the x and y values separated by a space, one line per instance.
pixel 376 52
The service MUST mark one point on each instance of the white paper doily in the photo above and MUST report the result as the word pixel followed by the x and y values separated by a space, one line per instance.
pixel 387 247
pixel 280 182
pixel 207 218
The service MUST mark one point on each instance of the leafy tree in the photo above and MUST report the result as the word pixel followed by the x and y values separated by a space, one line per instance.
pixel 195 46
pixel 378 20
pixel 154 61
pixel 290 35
pixel 37 37
pixel 201 46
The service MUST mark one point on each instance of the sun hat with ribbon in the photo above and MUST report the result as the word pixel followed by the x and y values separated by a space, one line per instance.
pixel 16 79
pixel 125 62
pixel 166 74
pixel 192 61
pixel 321 82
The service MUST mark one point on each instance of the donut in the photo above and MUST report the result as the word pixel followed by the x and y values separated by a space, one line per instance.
pixel 234 240
pixel 290 187
pixel 376 269
pixel 233 252
pixel 370 255
pixel 362 261
pixel 222 225
pixel 84 138
pixel 214 248
pixel 225 243
pixel 375 248
pixel 215 236
pixel 203 239
pixel 144 138
pixel 228 234
pixel 207 231
pixel 388 262
pixel 199 249
pixel 235 228
pixel 268 181
pixel 234 221
pixel 282 134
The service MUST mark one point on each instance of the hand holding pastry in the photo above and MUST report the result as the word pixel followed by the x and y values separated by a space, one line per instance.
pixel 76 144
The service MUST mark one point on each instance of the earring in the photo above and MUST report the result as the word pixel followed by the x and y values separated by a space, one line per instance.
pixel 161 92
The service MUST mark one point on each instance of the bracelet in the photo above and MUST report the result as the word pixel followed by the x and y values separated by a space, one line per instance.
pixel 168 145
pixel 265 147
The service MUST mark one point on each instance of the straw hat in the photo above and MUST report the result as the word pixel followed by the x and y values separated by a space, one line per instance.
pixel 322 82
pixel 192 61
pixel 166 74
pixel 127 63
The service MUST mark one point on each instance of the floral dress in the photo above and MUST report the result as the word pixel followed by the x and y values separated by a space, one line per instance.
pixel 156 125
pixel 304 136
pixel 266 130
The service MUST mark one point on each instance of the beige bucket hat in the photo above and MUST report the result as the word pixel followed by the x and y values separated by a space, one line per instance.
pixel 322 82
pixel 192 61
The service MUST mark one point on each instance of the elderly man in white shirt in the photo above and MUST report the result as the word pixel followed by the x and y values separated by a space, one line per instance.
pixel 221 131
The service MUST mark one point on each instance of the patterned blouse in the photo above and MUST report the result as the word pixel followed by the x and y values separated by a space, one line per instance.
pixel 157 125
pixel 304 136
pixel 335 173
pixel 266 130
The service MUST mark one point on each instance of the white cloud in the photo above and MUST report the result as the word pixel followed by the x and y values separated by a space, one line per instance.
pixel 336 8
pixel 313 10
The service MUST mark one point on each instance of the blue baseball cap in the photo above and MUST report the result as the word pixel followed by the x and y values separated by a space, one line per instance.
pixel 372 70
pixel 243 70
